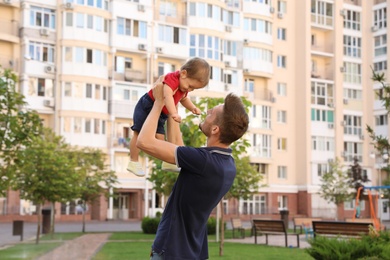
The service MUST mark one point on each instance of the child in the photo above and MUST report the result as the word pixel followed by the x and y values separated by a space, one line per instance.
pixel 194 74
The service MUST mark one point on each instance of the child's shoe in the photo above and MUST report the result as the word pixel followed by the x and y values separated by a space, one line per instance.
pixel 169 167
pixel 136 168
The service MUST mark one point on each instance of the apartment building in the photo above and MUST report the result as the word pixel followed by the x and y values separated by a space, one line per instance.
pixel 304 65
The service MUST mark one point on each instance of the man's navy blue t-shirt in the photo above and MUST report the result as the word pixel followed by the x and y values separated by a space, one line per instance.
pixel 206 176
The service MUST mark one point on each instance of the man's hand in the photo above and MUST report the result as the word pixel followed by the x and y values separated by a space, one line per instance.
pixel 176 117
pixel 196 111
pixel 158 89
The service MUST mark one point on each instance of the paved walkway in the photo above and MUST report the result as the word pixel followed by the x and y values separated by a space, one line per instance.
pixel 81 248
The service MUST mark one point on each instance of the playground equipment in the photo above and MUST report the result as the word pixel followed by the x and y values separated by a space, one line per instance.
pixel 377 223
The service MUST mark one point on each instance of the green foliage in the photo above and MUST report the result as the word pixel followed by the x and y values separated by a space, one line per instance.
pixel 368 247
pixel 149 225
pixel 212 224
pixel 18 126
pixel 336 184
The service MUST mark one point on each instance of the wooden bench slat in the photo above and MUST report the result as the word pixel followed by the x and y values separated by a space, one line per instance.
pixel 340 228
pixel 271 227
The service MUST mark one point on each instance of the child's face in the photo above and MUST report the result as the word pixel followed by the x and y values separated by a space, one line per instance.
pixel 187 84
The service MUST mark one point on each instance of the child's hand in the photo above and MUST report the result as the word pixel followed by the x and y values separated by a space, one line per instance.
pixel 196 111
pixel 176 117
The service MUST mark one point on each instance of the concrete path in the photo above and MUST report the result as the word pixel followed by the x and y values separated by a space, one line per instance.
pixel 81 248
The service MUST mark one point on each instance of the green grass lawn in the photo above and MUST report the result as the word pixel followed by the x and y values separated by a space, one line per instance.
pixel 136 245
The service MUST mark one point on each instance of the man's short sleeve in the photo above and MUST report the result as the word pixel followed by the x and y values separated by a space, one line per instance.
pixel 191 158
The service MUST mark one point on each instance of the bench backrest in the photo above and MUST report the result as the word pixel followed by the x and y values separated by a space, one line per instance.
pixel 264 225
pixel 305 221
pixel 236 223
pixel 340 228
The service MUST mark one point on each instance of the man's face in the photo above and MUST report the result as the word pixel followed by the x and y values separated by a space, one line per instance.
pixel 209 121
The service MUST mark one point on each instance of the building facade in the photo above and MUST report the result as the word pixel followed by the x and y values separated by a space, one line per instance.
pixel 304 65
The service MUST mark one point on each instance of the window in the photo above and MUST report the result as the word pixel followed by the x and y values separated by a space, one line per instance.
pixel 66 124
pixel 282 7
pixel 350 93
pixel 321 94
pixel 351 205
pixel 352 125
pixel 206 46
pixel 103 127
pixel 249 85
pixel 381 120
pixel 281 61
pixel 68 54
pixel 282 34
pixel 352 46
pixel 68 89
pixel 380 43
pixel 96 124
pixel 322 115
pixel 230 48
pixel 260 167
pixel 322 168
pixel 79 20
pixel 88 91
pixel 41 87
pixel 261 145
pixel 97 92
pixel 282 89
pixel 322 13
pixel 352 150
pixel 87 125
pixel 255 204
pixel 131 27
pixel 171 34
pixel 353 73
pixel 126 94
pixel 257 25
pixel 77 125
pixel 282 116
pixel 257 54
pixel 282 172
pixel 282 202
pixel 352 20
pixel 41 51
pixel 380 18
pixel 380 65
pixel 69 19
pixel 168 8
pixel 42 17
pixel 322 143
pixel 282 144
pixel 89 55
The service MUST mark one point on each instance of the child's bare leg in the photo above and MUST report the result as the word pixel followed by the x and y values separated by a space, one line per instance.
pixel 134 151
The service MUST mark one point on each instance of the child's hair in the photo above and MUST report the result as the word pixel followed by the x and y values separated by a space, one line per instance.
pixel 199 69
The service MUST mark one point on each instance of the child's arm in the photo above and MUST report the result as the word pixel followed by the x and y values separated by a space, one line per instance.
pixel 170 103
pixel 187 103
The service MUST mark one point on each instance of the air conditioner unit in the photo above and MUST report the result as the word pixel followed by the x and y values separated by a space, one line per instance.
pixel 342 69
pixel 361 137
pixel 345 101
pixel 331 105
pixel 159 50
pixel 330 160
pixel 343 12
pixel 272 10
pixel 7 1
pixel 49 69
pixel 246 70
pixel 330 125
pixel 273 100
pixel 226 87
pixel 343 123
pixel 228 28
pixel 374 28
pixel 141 8
pixel 142 47
pixel 48 103
pixel 44 32
pixel 227 63
pixel 280 15
pixel 246 41
pixel 69 6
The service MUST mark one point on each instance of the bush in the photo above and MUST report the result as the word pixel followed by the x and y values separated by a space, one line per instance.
pixel 149 225
pixel 368 247
pixel 212 224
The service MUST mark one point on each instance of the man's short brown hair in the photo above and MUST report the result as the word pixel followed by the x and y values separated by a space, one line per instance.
pixel 233 121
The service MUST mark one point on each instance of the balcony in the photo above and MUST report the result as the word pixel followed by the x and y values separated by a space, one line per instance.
pixel 9 31
pixel 355 2
pixel 167 16
pixel 129 75
pixel 322 21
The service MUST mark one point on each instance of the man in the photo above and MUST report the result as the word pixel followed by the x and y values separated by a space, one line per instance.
pixel 206 175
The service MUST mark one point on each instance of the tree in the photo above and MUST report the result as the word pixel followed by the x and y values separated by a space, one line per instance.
pixel 336 185
pixel 46 172
pixel 97 178
pixel 18 126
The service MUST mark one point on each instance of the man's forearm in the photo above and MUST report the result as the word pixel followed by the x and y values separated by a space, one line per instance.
pixel 148 131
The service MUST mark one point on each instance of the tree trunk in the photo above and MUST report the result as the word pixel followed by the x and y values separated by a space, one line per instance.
pixel 221 243
pixel 39 223
pixel 84 209
pixel 52 207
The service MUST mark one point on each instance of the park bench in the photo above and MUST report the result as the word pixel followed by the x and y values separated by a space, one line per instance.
pixel 271 227
pixel 339 228
pixel 301 222
pixel 237 226
pixel 360 220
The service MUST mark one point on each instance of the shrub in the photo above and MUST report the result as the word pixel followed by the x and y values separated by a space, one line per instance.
pixel 149 225
pixel 212 224
pixel 365 248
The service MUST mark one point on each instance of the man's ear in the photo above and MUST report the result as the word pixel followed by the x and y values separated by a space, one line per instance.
pixel 214 129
